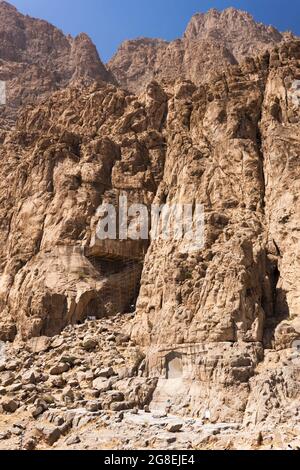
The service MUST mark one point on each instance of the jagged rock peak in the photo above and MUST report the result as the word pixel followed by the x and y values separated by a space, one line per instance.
pixel 7 6
pixel 212 41
pixel 36 58
pixel 227 21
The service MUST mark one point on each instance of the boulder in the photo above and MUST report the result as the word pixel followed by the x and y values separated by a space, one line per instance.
pixel 49 434
pixel 102 384
pixel 90 344
pixel 9 405
pixel 106 373
pixel 59 369
pixel 174 427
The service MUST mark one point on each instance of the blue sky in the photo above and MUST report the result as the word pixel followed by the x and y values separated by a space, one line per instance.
pixel 109 22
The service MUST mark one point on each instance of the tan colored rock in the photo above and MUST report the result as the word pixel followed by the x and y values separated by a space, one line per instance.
pixel 102 384
pixel 49 434
pixel 36 59
pixel 39 344
pixel 48 247
pixel 211 42
pixel 220 306
pixel 216 331
pixel 90 344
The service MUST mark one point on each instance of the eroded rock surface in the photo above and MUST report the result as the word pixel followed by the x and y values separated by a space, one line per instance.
pixel 216 331
pixel 36 59
pixel 66 158
pixel 229 150
pixel 211 42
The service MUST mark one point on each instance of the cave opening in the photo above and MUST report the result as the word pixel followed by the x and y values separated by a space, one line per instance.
pixel 120 292
pixel 275 303
pixel 93 310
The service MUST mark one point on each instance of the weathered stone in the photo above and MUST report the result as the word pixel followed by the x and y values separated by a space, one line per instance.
pixel 106 373
pixel 75 58
pixel 92 406
pixel 122 339
pixel 58 421
pixel 68 394
pixel 121 406
pixel 39 345
pixel 59 369
pixel 101 384
pixel 115 395
pixel 37 411
pixel 57 343
pixel 174 427
pixel 16 431
pixel 70 360
pixel 29 377
pixel 73 440
pixel 7 379
pixel 58 382
pixel 9 405
pixel 12 365
pixel 5 435
pixel 90 344
pixel 14 388
pixel 215 334
pixel 50 434
pixel 30 443
pixel 207 47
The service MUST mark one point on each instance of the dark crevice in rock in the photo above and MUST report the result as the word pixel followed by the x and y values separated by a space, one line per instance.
pixel 279 306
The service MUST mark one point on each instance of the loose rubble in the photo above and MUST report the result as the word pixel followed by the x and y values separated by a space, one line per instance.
pixel 82 406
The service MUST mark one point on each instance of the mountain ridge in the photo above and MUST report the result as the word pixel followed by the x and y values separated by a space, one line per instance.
pixel 216 38
pixel 119 343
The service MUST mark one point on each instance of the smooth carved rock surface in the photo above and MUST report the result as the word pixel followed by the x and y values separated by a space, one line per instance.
pixel 211 42
pixel 216 330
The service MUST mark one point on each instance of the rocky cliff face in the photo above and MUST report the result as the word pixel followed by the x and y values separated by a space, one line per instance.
pixel 216 312
pixel 216 330
pixel 64 159
pixel 211 42
pixel 36 59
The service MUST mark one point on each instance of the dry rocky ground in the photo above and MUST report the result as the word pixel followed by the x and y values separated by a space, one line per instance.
pixel 84 389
